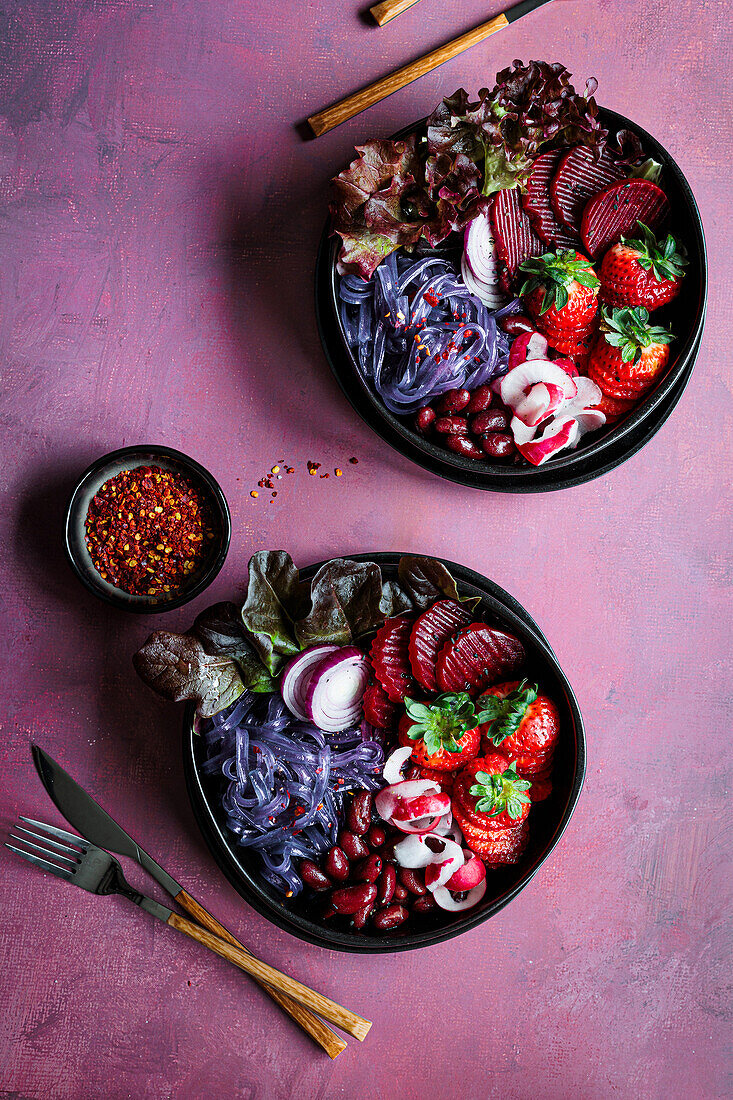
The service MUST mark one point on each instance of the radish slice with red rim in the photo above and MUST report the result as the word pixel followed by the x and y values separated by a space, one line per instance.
pixel 469 875
pixel 296 675
pixel 528 345
pixel 395 762
pixel 335 690
pixel 445 899
pixel 422 851
pixel 385 800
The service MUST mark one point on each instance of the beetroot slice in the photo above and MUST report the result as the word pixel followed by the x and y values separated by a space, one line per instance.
pixel 476 657
pixel 390 658
pixel 537 202
pixel 515 239
pixel 578 178
pixel 431 631
pixel 379 710
pixel 616 211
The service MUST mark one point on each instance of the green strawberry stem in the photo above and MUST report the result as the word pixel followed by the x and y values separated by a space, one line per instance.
pixel 667 259
pixel 505 715
pixel 442 723
pixel 554 272
pixel 629 330
pixel 501 791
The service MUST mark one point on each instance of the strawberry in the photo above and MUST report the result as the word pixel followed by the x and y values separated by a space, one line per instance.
pixel 476 656
pixel 488 794
pixel 443 779
pixel 499 848
pixel 613 408
pixel 643 272
pixel 431 631
pixel 576 345
pixel 390 659
pixel 379 710
pixel 561 292
pixel 522 724
pixel 629 354
pixel 444 734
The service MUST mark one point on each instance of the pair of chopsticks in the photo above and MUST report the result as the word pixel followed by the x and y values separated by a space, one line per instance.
pixel 323 121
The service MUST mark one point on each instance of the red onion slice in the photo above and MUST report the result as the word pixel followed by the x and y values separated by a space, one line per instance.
pixel 335 690
pixel 295 677
pixel 445 899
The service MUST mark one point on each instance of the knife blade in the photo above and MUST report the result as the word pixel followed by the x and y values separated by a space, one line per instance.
pixel 94 823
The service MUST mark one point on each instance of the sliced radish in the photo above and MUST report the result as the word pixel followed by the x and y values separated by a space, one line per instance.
pixel 419 851
pixel 528 345
pixel 522 432
pixel 469 875
pixel 295 678
pixel 333 700
pixel 516 383
pixel 560 433
pixel 567 365
pixel 543 399
pixel 448 827
pixel 445 899
pixel 394 764
pixel 409 811
pixel 386 799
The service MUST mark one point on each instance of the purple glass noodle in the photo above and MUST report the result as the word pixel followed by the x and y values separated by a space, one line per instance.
pixel 382 317
pixel 283 781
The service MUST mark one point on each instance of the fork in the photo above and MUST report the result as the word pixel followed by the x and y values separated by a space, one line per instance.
pixel 76 860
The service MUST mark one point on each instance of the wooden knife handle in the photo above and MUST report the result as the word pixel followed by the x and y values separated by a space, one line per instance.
pixel 324 1006
pixel 388 9
pixel 332 1043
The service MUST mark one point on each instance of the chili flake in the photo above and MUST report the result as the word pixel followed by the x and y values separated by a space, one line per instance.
pixel 163 516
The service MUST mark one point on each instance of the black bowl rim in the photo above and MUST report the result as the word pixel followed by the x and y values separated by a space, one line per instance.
pixel 217 495
pixel 498 477
pixel 303 929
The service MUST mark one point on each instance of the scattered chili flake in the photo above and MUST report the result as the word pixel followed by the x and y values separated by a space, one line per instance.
pixel 290 469
pixel 275 470
pixel 338 473
pixel 254 492
pixel 431 297
pixel 354 461
pixel 148 530
pixel 324 475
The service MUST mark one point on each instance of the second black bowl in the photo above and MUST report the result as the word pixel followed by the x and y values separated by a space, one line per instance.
pixel 599 451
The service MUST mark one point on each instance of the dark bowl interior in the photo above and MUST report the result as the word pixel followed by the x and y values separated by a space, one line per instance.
pixel 598 451
pixel 548 819
pixel 126 459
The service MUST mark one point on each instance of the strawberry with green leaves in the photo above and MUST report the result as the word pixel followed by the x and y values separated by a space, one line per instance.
pixel 629 354
pixel 444 733
pixel 643 272
pixel 489 795
pixel 522 724
pixel 561 293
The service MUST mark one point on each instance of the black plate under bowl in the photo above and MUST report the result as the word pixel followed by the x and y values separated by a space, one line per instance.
pixel 548 821
pixel 599 451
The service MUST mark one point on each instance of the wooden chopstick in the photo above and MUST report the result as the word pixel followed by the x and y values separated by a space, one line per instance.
pixel 345 109
pixel 388 9
pixel 330 1010
pixel 332 1043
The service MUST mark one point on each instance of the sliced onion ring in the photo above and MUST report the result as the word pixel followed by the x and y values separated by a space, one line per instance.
pixel 336 688
pixel 295 677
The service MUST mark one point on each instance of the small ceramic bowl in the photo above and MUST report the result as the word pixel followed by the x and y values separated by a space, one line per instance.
pixel 127 459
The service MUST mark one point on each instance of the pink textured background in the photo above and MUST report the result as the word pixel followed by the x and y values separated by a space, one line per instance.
pixel 158 223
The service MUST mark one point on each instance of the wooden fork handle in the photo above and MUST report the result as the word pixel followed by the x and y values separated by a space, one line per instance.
pixel 332 1043
pixel 334 1013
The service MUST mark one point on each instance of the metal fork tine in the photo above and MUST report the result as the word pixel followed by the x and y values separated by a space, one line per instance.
pixel 60 872
pixel 47 851
pixel 53 844
pixel 78 841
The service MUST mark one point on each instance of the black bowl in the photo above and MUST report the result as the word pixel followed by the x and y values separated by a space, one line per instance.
pixel 598 452
pixel 126 459
pixel 548 820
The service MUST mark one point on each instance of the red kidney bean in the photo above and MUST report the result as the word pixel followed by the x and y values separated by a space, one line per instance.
pixel 451 425
pixel 361 916
pixel 452 401
pixel 424 904
pixel 424 419
pixel 369 870
pixel 350 898
pixel 359 813
pixel 516 323
pixel 400 893
pixel 390 917
pixel 481 398
pixel 497 444
pixel 386 885
pixel 492 420
pixel 410 880
pixel 376 836
pixel 337 865
pixel 461 445
pixel 313 876
pixel 353 846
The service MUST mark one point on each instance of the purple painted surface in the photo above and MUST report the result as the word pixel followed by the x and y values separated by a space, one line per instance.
pixel 158 223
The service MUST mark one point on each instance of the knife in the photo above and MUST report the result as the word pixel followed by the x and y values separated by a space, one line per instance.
pixel 96 825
